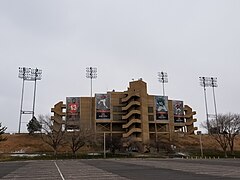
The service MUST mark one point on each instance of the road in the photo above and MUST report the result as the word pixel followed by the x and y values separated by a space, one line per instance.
pixel 122 169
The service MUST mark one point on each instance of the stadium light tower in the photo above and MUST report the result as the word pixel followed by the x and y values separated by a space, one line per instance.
pixel 213 84
pixel 91 73
pixel 163 78
pixel 209 82
pixel 204 84
pixel 36 75
pixel 28 74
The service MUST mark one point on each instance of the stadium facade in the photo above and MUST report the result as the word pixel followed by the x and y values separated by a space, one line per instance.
pixel 129 114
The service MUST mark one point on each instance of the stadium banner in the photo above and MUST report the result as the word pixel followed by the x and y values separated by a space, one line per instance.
pixel 73 109
pixel 178 111
pixel 102 106
pixel 161 103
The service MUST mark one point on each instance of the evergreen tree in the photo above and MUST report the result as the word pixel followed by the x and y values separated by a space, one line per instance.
pixel 33 126
pixel 2 131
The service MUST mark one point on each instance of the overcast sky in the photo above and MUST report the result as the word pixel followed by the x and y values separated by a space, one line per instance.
pixel 125 40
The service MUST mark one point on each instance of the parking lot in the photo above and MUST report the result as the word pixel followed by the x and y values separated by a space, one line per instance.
pixel 167 169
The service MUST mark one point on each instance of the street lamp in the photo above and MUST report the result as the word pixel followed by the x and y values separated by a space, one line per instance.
pixel 200 141
pixel 91 73
pixel 163 78
pixel 104 145
pixel 28 74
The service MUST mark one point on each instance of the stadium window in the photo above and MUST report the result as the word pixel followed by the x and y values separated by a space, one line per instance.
pixel 150 109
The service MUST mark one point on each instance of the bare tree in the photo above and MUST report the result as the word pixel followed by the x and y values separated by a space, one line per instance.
pixel 113 143
pixel 78 138
pixel 131 144
pixel 2 131
pixel 224 129
pixel 52 134
pixel 161 142
pixel 232 129
pixel 218 132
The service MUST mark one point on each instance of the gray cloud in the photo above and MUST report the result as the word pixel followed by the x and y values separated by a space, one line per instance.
pixel 125 40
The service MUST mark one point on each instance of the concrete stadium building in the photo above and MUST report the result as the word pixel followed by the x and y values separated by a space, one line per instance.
pixel 129 114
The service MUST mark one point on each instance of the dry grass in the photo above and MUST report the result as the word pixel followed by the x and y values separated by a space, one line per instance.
pixel 33 143
pixel 23 143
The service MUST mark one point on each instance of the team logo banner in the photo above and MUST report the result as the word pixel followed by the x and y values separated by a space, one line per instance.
pixel 161 103
pixel 102 106
pixel 73 108
pixel 178 111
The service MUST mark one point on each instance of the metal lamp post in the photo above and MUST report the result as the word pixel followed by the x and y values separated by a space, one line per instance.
pixel 28 74
pixel 200 141
pixel 104 145
pixel 163 78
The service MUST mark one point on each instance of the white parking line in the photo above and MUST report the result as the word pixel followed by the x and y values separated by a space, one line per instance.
pixel 59 171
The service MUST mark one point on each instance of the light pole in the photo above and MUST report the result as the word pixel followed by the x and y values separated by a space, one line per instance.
pixel 91 73
pixel 36 75
pixel 209 82
pixel 104 145
pixel 204 84
pixel 213 84
pixel 163 78
pixel 28 74
pixel 200 141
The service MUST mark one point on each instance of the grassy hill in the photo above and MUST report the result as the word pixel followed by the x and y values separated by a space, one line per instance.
pixel 25 143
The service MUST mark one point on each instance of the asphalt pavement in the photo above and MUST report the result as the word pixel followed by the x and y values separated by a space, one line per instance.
pixel 122 169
